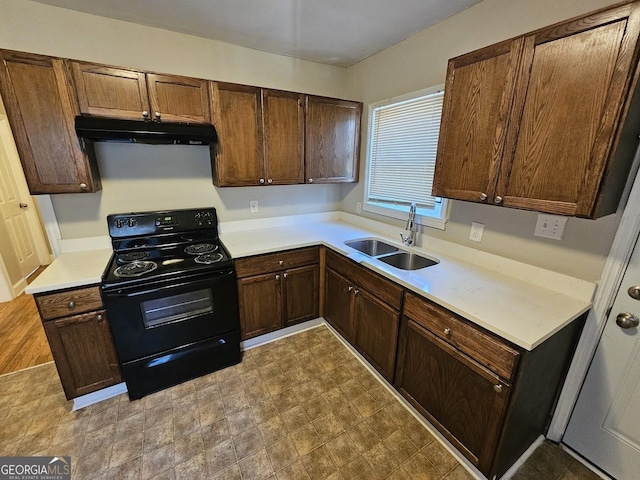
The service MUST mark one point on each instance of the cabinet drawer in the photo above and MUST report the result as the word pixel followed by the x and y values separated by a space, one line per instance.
pixel 273 262
pixel 379 286
pixel 487 350
pixel 70 302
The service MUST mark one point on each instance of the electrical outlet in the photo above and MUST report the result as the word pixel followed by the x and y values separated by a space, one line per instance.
pixel 477 229
pixel 253 206
pixel 550 226
pixel 358 207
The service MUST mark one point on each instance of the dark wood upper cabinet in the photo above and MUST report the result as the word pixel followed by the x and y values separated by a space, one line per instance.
pixel 477 101
pixel 111 92
pixel 237 116
pixel 41 107
pixel 332 140
pixel 283 119
pixel 178 99
pixel 130 94
pixel 562 134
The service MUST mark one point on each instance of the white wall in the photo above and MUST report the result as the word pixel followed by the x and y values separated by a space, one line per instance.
pixel 420 62
pixel 139 177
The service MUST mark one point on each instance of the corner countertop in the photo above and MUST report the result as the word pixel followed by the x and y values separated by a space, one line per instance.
pixel 519 302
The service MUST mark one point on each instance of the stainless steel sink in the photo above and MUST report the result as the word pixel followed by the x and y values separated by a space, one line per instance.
pixel 371 247
pixel 407 261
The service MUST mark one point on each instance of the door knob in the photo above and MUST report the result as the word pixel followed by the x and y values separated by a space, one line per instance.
pixel 627 320
pixel 634 292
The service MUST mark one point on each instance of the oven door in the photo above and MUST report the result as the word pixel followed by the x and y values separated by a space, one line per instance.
pixel 157 316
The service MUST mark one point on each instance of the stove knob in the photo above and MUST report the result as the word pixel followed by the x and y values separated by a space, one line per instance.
pixel 119 223
pixel 132 222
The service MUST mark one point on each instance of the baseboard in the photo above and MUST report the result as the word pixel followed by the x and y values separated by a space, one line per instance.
pixel 282 333
pixel 584 462
pixel 99 396
pixel 523 458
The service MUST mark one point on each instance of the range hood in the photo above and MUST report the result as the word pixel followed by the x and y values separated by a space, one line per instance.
pixel 112 129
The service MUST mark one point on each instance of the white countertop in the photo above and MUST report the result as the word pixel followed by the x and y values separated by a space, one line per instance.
pixel 71 270
pixel 521 303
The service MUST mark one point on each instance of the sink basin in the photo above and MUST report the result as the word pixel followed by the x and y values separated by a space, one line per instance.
pixel 373 248
pixel 408 261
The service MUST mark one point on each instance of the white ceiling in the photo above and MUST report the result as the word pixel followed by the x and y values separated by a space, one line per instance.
pixel 335 32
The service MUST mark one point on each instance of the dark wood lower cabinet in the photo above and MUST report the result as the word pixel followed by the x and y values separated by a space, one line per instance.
pixel 260 299
pixel 84 353
pixel 301 294
pixel 337 304
pixel 277 290
pixel 376 331
pixel 464 400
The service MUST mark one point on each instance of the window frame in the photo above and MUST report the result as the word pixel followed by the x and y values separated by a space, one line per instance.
pixel 435 218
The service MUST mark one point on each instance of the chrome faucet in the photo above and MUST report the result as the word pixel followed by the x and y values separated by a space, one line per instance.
pixel 410 239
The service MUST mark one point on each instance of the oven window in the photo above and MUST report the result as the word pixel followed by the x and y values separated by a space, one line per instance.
pixel 176 308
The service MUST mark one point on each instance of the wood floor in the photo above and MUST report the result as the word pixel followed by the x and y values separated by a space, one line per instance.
pixel 22 339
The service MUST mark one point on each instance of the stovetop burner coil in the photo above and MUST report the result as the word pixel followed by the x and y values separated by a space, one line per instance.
pixel 208 258
pixel 200 248
pixel 133 256
pixel 135 268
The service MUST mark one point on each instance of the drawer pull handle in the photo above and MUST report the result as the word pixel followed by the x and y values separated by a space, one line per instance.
pixel 99 317
pixel 277 277
pixel 285 275
pixel 71 305
pixel 447 332
pixel 498 388
pixel 280 262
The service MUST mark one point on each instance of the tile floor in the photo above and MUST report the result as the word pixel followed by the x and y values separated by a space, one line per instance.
pixel 299 408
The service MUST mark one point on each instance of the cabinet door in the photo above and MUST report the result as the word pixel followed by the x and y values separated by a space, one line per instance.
pixel 238 120
pixel 260 299
pixel 301 293
pixel 464 400
pixel 111 92
pixel 332 140
pixel 478 98
pixel 569 100
pixel 376 326
pixel 283 118
pixel 178 99
pixel 338 305
pixel 37 94
pixel 84 353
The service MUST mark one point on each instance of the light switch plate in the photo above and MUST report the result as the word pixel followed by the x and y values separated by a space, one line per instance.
pixel 253 206
pixel 550 226
pixel 477 229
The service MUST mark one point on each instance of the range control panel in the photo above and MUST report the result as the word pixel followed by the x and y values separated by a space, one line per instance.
pixel 147 223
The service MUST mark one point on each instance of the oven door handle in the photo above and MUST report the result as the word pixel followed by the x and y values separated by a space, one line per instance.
pixel 156 362
pixel 160 286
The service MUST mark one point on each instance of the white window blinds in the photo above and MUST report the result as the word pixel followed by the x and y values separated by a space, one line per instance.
pixel 404 140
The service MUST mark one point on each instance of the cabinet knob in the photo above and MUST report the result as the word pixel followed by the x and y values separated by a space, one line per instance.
pixel 350 289
pixel 498 200
pixel 280 262
pixel 277 277
pixel 356 291
pixel 285 275
pixel 483 196
pixel 71 305
pixel 99 317
pixel 270 181
pixel 262 181
pixel 447 332
pixel 310 180
pixel 497 388
pixel 145 114
pixel 83 186
pixel 157 115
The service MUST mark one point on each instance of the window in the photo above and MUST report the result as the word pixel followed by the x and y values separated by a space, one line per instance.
pixel 403 140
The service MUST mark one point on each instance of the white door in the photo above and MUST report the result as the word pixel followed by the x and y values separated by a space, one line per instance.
pixel 605 424
pixel 14 216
